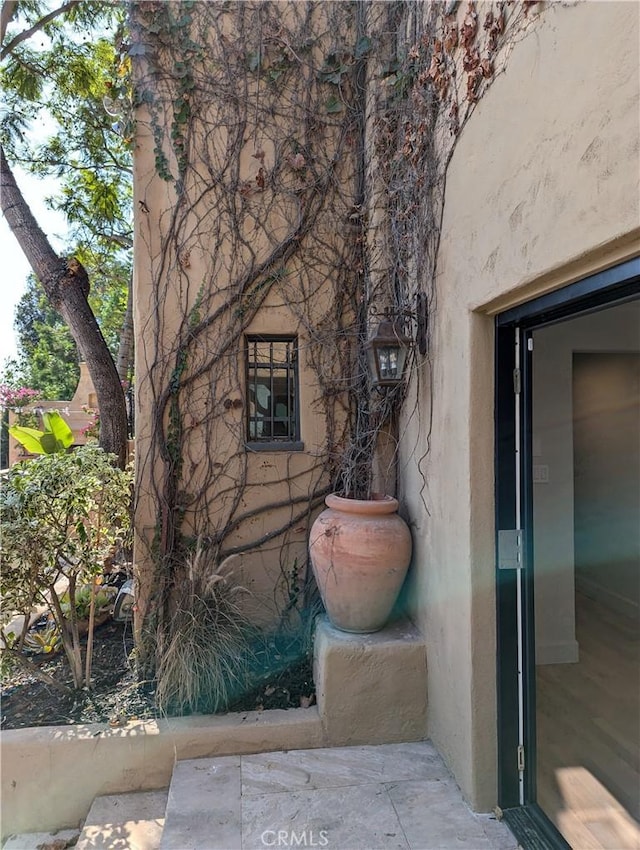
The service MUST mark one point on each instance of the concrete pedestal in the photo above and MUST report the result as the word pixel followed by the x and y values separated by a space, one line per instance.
pixel 372 688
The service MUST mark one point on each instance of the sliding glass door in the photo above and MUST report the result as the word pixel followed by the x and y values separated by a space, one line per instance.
pixel 568 497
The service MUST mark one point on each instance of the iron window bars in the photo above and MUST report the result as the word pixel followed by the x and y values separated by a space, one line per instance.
pixel 272 389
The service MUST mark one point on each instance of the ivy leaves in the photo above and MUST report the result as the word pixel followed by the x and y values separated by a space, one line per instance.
pixel 336 70
pixel 273 63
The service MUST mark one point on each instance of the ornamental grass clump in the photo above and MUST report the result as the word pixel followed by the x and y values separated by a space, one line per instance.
pixel 205 659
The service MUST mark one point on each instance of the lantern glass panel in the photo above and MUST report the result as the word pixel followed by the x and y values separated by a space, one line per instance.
pixel 387 362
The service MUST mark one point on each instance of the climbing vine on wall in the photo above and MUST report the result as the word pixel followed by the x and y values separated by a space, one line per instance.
pixel 440 60
pixel 297 157
pixel 251 111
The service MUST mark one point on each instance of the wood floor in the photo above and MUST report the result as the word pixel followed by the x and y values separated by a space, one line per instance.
pixel 588 734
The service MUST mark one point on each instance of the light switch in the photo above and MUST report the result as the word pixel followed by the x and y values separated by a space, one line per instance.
pixel 540 473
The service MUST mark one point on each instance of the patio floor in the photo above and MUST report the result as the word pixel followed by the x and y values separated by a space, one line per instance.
pixel 389 797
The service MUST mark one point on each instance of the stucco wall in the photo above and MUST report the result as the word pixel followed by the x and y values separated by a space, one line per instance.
pixel 542 189
pixel 245 242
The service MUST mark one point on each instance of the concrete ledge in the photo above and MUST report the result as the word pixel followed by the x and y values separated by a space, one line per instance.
pixel 51 774
pixel 371 689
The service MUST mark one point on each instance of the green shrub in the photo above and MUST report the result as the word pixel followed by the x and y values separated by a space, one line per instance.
pixel 61 515
pixel 103 598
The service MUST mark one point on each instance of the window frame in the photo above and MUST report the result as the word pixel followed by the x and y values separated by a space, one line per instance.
pixel 290 442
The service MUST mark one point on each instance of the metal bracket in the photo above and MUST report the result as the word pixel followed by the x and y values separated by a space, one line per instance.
pixel 510 549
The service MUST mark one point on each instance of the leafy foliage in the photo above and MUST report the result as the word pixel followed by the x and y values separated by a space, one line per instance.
pixel 56 437
pixel 62 514
pixel 102 600
pixel 54 124
pixel 59 77
pixel 48 357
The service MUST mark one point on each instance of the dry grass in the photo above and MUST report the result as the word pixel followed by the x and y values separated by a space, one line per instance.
pixel 204 662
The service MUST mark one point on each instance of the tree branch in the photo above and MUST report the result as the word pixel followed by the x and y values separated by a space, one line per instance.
pixel 23 36
pixel 313 502
pixel 66 285
pixel 9 8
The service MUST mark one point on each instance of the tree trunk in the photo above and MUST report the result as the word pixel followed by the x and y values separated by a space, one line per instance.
pixel 66 285
pixel 124 362
pixel 9 8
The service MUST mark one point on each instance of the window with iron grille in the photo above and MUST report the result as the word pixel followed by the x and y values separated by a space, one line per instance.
pixel 272 391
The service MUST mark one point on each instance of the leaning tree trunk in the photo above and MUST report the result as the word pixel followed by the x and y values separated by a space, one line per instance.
pixel 66 285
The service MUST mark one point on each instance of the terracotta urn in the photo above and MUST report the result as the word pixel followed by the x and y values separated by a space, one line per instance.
pixel 360 552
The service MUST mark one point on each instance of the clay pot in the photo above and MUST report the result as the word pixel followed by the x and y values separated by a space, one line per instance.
pixel 360 552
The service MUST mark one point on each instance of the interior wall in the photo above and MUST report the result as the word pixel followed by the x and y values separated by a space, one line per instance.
pixel 555 347
pixel 606 414
pixel 543 185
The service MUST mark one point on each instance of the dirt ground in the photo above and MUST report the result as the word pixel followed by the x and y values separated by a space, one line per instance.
pixel 116 696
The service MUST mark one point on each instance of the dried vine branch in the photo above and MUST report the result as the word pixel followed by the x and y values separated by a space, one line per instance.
pixel 299 153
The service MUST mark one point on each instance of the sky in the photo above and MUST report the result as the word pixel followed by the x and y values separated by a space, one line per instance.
pixel 13 264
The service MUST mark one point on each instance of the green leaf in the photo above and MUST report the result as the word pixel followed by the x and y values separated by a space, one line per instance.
pixel 57 436
pixel 333 70
pixel 334 77
pixel 363 46
pixel 253 61
pixel 56 78
pixel 333 105
pixel 30 438
pixel 54 423
pixel 81 532
pixel 49 443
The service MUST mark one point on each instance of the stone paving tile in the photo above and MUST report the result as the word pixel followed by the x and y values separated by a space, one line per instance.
pixel 390 797
pixel 356 816
pixel 306 769
pixel 31 840
pixel 434 816
pixel 498 833
pixel 134 821
pixel 203 809
pixel 334 798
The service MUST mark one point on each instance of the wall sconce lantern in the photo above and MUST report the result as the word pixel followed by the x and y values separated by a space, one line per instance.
pixel 387 354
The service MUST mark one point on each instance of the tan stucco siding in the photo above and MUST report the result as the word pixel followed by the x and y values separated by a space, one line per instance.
pixel 246 237
pixel 542 188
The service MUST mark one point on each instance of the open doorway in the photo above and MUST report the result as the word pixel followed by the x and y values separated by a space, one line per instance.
pixel 585 473
pixel 568 563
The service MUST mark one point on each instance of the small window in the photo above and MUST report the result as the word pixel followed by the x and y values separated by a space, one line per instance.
pixel 272 392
